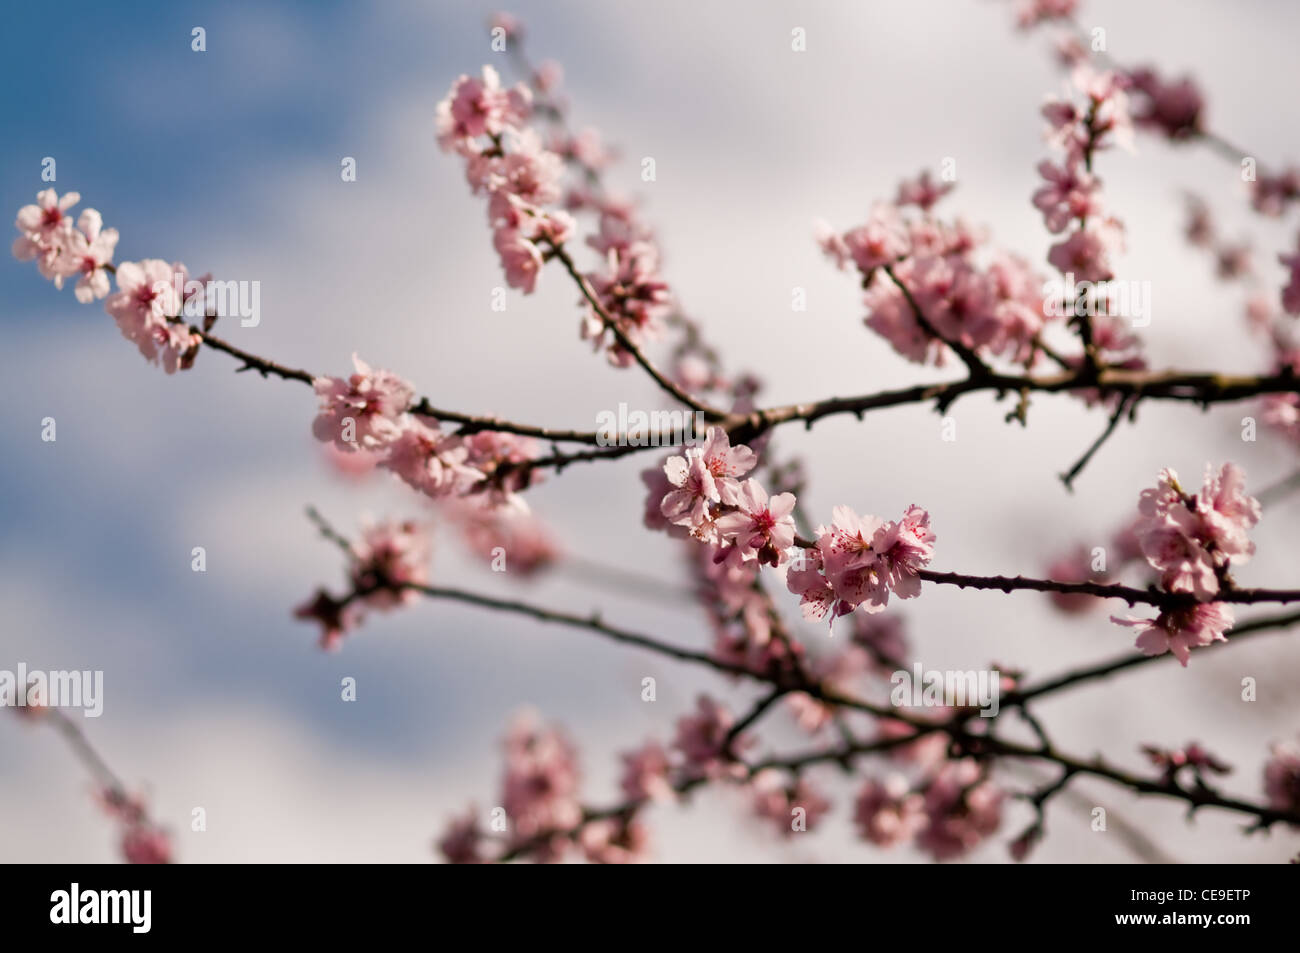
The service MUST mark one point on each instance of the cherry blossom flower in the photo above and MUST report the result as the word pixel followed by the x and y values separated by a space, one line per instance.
pixel 701 737
pixel 790 807
pixel 505 536
pixel 1075 566
pixel 363 411
pixel 1271 193
pixel 146 308
pixel 388 556
pixel 887 812
pixel 1070 194
pixel 1190 540
pixel 905 547
pixel 479 106
pixel 540 788
pixel 1282 777
pixel 520 259
pixel 1173 108
pixel 503 458
pixel 462 842
pixel 146 844
pixel 694 489
pixel 428 460
pixel 761 529
pixel 44 229
pixel 614 840
pixel 645 774
pixel 86 252
pixel 1086 252
pixel 923 191
pixel 1030 13
pixel 962 808
pixel 143 841
pixel 1183 629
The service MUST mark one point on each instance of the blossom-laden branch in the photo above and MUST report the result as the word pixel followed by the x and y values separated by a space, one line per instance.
pixel 933 288
pixel 143 841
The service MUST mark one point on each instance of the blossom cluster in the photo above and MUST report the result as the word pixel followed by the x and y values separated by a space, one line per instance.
pixel 951 807
pixel 150 296
pixel 924 286
pixel 1068 199
pixel 858 561
pixel 385 562
pixel 485 123
pixel 1191 541
pixel 522 176
pixel 369 411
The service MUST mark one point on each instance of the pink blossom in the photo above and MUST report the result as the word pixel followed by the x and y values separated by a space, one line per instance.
pixel 1182 629
pixel 723 460
pixel 387 557
pixel 1109 104
pixel 614 840
pixel 850 563
pixel 962 808
pixel 904 548
pixel 1282 778
pixel 479 106
pixel 890 315
pixel 701 737
pixel 835 673
pixel 86 252
pixel 887 812
pixel 1174 108
pixel 1030 13
pixel 761 529
pixel 1086 252
pixel 1076 566
pixel 923 191
pixel 503 457
pixel 147 309
pixel 363 411
pixel 1070 194
pixel 632 293
pixel 645 774
pixel 1190 539
pixel 539 791
pixel 695 489
pixel 462 842
pixel 428 460
pixel 1271 193
pixel 507 537
pixel 881 241
pixel 791 808
pixel 520 259
pixel 146 844
pixel 44 229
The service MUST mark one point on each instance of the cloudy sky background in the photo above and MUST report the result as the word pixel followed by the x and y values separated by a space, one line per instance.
pixel 228 160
